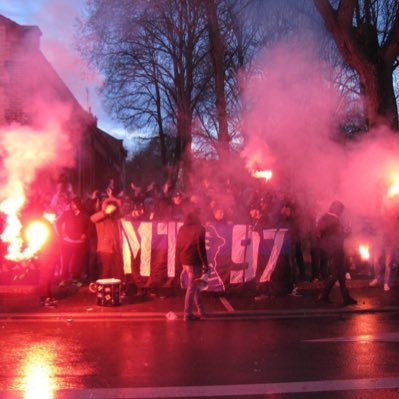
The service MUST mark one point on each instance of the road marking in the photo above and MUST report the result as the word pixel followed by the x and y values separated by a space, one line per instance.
pixel 383 337
pixel 222 390
pixel 226 304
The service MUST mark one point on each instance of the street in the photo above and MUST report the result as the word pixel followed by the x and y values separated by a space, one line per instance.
pixel 336 355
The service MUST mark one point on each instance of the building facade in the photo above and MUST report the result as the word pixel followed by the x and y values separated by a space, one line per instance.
pixel 31 92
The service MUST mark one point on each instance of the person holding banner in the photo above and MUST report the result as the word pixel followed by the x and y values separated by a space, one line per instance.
pixel 192 258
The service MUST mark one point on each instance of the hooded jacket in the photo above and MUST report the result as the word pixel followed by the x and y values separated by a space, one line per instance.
pixel 190 243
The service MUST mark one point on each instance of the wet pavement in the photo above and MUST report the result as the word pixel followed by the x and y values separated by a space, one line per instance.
pixel 82 350
pixel 22 301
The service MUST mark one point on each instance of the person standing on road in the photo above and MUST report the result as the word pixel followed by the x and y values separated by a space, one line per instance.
pixel 191 257
pixel 47 260
pixel 331 234
pixel 73 227
pixel 387 248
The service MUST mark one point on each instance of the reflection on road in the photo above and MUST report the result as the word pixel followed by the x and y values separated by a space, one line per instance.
pixel 39 361
pixel 38 374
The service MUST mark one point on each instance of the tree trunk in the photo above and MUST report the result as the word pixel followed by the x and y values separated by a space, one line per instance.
pixel 360 48
pixel 161 132
pixel 379 96
pixel 186 159
pixel 183 153
pixel 217 51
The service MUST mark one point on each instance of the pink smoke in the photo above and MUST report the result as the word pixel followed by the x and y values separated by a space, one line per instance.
pixel 290 123
pixel 25 151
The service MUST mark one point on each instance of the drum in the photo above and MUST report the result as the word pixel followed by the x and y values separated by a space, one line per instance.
pixel 108 292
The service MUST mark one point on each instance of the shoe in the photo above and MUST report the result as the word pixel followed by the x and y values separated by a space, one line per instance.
pixel 49 303
pixel 350 301
pixel 386 287
pixel 260 297
pixel 295 292
pixel 374 283
pixel 191 317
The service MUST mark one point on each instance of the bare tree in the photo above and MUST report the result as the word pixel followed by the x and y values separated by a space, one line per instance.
pixel 233 41
pixel 217 55
pixel 367 36
pixel 153 57
pixel 170 64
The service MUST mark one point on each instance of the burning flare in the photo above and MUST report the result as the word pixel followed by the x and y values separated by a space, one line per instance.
pixel 21 246
pixel 393 190
pixel 364 252
pixel 36 234
pixel 50 216
pixel 262 174
pixel 25 151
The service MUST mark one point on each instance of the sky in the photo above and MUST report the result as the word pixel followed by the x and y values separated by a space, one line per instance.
pixel 57 46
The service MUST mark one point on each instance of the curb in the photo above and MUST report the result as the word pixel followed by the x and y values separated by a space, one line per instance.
pixel 123 316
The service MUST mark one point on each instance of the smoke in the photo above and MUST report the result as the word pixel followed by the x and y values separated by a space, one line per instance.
pixel 290 118
pixel 25 151
pixel 290 124
pixel 37 98
pixel 49 124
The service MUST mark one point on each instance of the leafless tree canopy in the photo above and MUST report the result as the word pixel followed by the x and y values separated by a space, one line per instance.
pixel 170 67
pixel 367 36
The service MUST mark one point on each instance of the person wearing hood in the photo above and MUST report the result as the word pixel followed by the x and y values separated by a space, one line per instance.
pixel 108 238
pixel 192 258
pixel 332 233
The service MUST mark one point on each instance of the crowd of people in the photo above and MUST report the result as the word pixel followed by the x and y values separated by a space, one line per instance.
pixel 87 228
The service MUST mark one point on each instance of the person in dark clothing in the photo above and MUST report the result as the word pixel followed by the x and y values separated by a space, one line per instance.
pixel 331 234
pixel 73 227
pixel 47 259
pixel 92 204
pixel 259 220
pixel 192 258
pixel 287 219
pixel 179 206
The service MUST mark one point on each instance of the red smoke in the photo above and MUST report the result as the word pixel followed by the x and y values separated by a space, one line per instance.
pixel 26 151
pixel 291 120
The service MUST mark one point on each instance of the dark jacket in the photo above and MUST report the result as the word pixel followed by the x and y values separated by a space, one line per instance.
pixel 73 226
pixel 190 244
pixel 331 233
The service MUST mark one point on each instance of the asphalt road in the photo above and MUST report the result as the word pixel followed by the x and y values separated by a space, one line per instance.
pixel 335 355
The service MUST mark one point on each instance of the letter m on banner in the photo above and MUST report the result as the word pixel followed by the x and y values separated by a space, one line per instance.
pixel 141 238
pixel 135 238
